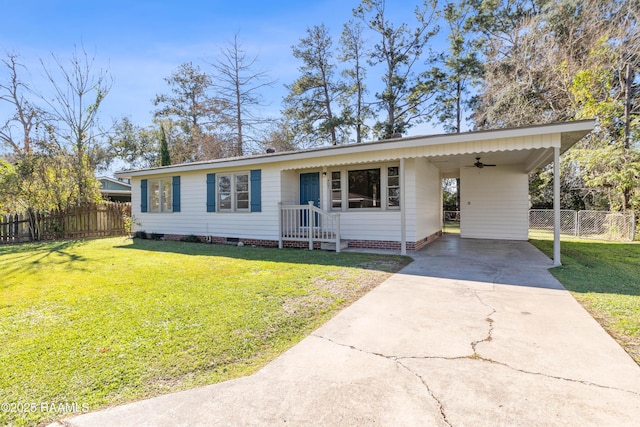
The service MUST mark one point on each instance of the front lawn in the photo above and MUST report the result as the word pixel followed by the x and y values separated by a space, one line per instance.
pixel 605 279
pixel 87 324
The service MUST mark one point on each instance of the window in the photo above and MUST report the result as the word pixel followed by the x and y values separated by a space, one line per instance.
pixel 336 190
pixel 393 187
pixel 372 188
pixel 233 192
pixel 364 188
pixel 160 195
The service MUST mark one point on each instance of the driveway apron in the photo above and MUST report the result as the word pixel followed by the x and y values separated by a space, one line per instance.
pixel 472 333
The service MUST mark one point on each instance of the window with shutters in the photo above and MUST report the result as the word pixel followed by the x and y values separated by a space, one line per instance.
pixel 160 192
pixel 233 192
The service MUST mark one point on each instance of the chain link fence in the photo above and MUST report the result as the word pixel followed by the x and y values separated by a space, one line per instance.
pixel 601 225
pixel 541 222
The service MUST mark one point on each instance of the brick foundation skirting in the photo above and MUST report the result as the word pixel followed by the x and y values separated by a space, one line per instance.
pixel 361 244
pixel 394 245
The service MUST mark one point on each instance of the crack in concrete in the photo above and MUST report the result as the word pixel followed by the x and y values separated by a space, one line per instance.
pixel 443 414
pixel 555 377
pixel 398 362
pixel 489 336
pixel 474 356
pixel 386 356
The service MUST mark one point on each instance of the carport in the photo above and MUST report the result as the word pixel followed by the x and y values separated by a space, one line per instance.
pixel 493 173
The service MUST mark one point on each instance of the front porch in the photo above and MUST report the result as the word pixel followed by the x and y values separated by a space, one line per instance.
pixel 308 223
pixel 392 204
pixel 321 229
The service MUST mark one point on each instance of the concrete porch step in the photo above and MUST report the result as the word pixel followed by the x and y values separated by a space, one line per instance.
pixel 332 246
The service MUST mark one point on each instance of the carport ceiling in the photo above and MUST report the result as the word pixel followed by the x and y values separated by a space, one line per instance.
pixel 529 160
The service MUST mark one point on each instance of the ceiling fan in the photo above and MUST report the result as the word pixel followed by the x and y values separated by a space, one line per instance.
pixel 479 164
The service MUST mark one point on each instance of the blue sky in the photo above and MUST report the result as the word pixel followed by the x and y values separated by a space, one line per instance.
pixel 142 42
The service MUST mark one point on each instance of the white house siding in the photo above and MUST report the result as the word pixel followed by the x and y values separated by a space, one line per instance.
pixel 424 200
pixel 494 203
pixel 193 217
pixel 370 225
pixel 289 183
pixel 276 185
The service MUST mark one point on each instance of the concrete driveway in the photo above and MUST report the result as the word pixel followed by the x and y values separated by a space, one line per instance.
pixel 473 333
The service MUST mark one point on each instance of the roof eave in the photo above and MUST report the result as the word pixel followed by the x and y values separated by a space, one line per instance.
pixel 570 132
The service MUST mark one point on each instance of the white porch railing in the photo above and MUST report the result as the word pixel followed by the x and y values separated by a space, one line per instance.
pixel 307 223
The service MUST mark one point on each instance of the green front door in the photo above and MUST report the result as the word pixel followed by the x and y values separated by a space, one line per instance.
pixel 309 191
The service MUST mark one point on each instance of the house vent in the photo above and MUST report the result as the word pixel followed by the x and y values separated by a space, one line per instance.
pixel 396 135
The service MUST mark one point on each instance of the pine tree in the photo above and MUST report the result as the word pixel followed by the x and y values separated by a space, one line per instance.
pixel 165 157
pixel 311 101
pixel 405 97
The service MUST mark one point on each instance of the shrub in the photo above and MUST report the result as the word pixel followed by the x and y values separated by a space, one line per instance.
pixel 140 235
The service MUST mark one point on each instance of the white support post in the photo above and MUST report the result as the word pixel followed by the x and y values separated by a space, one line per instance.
pixel 556 207
pixel 310 223
pixel 403 211
pixel 338 233
pixel 280 243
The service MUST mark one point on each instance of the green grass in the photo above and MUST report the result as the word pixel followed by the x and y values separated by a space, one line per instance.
pixel 451 227
pixel 605 279
pixel 100 322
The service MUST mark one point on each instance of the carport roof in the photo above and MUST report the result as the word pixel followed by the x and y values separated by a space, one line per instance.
pixel 529 145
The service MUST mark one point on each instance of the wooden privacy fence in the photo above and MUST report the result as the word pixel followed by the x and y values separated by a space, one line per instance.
pixel 92 220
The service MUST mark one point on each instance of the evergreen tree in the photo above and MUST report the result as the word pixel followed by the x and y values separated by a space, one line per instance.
pixel 352 51
pixel 165 157
pixel 459 72
pixel 197 113
pixel 405 96
pixel 312 99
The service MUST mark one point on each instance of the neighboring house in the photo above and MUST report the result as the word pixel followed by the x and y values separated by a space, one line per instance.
pixel 115 190
pixel 385 194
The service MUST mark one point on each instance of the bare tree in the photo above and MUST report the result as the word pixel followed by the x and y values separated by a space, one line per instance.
pixel 17 131
pixel 78 92
pixel 238 84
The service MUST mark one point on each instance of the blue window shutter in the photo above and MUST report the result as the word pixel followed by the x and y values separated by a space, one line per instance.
pixel 143 195
pixel 256 195
pixel 211 192
pixel 175 197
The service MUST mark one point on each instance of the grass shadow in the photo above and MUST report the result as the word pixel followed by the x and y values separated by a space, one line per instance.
pixel 26 256
pixel 381 262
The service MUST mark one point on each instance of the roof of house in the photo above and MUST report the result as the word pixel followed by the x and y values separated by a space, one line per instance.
pixel 440 145
pixel 113 185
